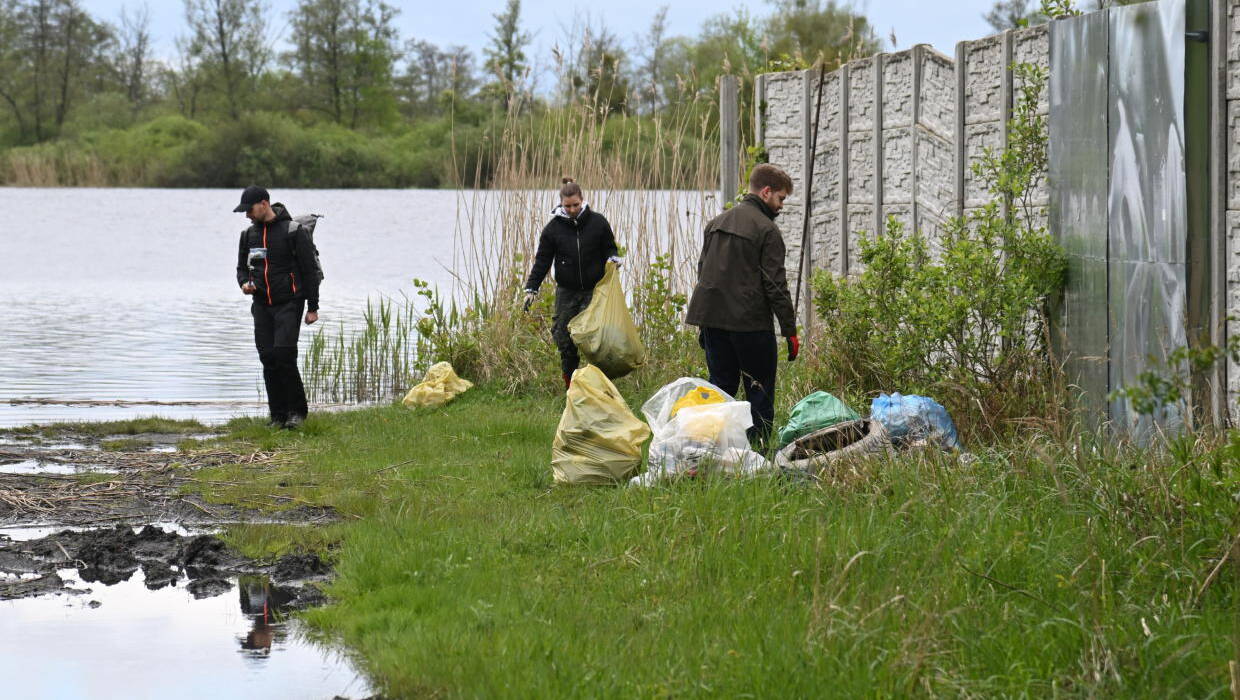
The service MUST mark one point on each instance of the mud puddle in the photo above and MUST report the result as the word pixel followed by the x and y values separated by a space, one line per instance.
pixel 154 612
pixel 90 487
pixel 109 454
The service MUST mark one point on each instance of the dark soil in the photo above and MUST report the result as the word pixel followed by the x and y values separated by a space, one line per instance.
pixel 111 555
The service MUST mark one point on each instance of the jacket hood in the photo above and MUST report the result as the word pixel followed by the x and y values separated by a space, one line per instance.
pixel 761 205
pixel 559 213
pixel 280 212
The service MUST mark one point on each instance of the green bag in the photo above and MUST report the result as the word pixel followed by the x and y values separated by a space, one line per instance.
pixel 817 411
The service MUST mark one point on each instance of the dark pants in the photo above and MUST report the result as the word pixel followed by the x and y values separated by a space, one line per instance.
pixel 568 303
pixel 275 335
pixel 745 360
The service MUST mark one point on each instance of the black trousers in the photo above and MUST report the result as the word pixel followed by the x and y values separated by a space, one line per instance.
pixel 276 329
pixel 745 359
pixel 568 303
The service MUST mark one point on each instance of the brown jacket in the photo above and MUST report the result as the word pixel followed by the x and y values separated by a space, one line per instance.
pixel 741 278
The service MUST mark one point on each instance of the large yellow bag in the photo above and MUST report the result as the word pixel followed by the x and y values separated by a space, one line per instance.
pixel 599 440
pixel 439 386
pixel 604 333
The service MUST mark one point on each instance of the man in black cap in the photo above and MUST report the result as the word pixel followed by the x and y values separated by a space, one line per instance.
pixel 276 266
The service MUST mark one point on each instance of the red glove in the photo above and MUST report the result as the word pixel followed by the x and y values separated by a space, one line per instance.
pixel 794 347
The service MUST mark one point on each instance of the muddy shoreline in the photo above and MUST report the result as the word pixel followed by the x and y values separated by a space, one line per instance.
pixel 107 556
pixel 70 479
pixel 107 503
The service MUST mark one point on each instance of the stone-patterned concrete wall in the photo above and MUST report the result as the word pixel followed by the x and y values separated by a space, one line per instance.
pixel 900 133
pixel 863 182
pixel 935 181
pixel 1231 10
pixel 1032 47
pixel 826 224
pixel 884 148
pixel 989 89
pixel 782 127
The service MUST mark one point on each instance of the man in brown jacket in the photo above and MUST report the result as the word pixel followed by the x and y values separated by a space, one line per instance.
pixel 741 285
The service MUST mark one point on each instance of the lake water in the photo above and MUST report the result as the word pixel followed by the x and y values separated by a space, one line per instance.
pixel 128 296
pixel 123 640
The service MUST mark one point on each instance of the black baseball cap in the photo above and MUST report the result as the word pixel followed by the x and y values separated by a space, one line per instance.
pixel 251 196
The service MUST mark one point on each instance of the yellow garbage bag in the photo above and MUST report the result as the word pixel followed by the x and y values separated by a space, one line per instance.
pixel 604 333
pixel 699 396
pixel 438 387
pixel 599 440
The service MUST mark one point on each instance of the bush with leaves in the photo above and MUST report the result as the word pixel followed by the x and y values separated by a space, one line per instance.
pixel 966 322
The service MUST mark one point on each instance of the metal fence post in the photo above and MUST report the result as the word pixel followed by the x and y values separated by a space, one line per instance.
pixel 729 138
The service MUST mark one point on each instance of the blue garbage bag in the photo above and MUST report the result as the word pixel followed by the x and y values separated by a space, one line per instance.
pixel 912 419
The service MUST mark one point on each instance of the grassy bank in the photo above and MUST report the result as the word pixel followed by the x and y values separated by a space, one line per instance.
pixel 1037 569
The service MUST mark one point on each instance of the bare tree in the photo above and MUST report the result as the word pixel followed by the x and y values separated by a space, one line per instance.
pixel 12 84
pixel 184 81
pixel 432 73
pixel 51 50
pixel 133 60
pixel 654 55
pixel 228 45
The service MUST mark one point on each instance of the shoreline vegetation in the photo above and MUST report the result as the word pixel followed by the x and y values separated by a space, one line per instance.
pixel 1070 565
pixel 1046 559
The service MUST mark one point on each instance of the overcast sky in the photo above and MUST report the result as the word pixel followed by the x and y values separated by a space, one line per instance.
pixel 468 23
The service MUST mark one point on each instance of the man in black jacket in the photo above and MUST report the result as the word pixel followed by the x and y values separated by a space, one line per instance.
pixel 741 285
pixel 579 241
pixel 276 266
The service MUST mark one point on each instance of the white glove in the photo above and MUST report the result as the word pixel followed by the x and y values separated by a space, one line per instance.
pixel 529 299
pixel 616 259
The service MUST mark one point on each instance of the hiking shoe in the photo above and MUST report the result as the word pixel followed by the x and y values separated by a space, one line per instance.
pixel 293 422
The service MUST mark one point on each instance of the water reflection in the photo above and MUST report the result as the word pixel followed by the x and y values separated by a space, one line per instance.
pixel 264 604
pixel 97 643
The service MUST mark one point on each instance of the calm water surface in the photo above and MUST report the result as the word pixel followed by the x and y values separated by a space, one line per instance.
pixel 128 295
pixel 126 641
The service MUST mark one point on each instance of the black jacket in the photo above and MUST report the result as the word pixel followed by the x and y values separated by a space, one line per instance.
pixel 578 247
pixel 282 275
pixel 741 278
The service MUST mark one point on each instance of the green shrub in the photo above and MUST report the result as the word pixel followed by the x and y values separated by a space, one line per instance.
pixel 969 323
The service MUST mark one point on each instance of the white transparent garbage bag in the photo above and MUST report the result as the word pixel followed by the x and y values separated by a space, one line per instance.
pixel 660 408
pixel 701 439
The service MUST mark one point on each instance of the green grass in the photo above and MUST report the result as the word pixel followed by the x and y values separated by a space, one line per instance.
pixel 136 426
pixel 125 445
pixel 1036 570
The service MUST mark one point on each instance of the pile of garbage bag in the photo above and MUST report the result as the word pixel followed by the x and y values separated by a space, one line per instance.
pixel 697 427
pixel 823 430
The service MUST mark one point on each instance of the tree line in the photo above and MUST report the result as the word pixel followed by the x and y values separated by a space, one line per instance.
pixel 342 93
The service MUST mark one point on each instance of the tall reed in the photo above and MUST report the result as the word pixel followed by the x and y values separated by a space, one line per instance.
pixel 624 163
pixel 371 362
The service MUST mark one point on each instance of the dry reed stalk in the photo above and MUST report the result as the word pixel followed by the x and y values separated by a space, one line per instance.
pixel 622 163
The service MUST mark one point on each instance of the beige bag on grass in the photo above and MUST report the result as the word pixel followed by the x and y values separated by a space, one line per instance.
pixel 599 440
pixel 438 387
